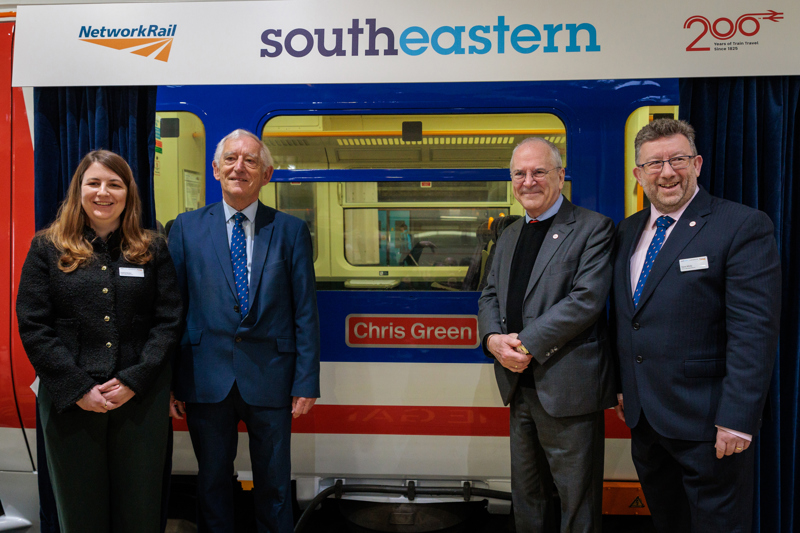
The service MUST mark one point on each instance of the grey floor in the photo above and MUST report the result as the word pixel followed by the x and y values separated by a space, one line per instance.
pixel 611 524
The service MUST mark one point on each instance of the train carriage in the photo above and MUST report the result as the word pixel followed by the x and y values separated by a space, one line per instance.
pixel 401 229
pixel 400 185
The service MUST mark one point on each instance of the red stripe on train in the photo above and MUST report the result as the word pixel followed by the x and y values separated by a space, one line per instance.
pixel 421 420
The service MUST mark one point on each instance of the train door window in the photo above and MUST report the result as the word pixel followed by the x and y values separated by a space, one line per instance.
pixel 412 199
pixel 179 173
pixel 635 200
pixel 300 200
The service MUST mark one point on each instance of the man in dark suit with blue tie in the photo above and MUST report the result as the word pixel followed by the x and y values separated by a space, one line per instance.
pixel 696 304
pixel 250 348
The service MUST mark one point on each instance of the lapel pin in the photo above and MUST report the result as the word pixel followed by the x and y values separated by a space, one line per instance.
pixel 555 235
pixel 692 224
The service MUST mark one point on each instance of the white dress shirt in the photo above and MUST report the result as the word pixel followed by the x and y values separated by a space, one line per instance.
pixel 639 255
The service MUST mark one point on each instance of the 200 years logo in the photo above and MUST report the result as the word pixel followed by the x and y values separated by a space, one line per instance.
pixel 724 29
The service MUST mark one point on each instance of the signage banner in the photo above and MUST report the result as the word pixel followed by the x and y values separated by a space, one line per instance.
pixel 358 41
pixel 411 331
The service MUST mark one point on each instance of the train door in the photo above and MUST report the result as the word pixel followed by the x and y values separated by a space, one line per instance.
pixel 18 489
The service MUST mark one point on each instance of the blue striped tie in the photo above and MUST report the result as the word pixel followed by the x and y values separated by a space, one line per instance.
pixel 663 222
pixel 239 260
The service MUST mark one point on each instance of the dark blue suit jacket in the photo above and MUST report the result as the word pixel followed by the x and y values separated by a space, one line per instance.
pixel 273 353
pixel 699 349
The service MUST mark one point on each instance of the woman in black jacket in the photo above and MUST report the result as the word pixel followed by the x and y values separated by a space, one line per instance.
pixel 99 315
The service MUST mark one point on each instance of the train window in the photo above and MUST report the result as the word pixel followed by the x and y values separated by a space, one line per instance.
pixel 396 232
pixel 635 200
pixel 417 237
pixel 179 173
pixel 377 141
pixel 300 200
pixel 436 192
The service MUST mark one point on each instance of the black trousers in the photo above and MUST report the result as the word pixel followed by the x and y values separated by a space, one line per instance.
pixel 48 512
pixel 213 428
pixel 687 488
pixel 547 453
pixel 107 468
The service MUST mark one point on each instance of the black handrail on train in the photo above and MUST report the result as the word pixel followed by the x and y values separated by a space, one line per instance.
pixel 410 491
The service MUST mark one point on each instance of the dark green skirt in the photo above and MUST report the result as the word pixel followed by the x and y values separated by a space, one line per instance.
pixel 107 468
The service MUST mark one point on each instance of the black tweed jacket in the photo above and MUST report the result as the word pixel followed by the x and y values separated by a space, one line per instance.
pixel 108 319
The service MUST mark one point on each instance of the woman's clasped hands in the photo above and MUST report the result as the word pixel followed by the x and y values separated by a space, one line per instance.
pixel 103 398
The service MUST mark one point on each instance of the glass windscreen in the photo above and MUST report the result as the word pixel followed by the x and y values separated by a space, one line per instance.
pixel 386 231
pixel 404 141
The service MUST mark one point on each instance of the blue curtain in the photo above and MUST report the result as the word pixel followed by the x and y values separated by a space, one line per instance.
pixel 71 121
pixel 748 134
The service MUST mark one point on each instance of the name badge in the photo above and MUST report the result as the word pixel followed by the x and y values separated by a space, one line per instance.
pixel 694 263
pixel 129 272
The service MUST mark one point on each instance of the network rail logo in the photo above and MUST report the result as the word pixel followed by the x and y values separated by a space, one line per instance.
pixel 148 41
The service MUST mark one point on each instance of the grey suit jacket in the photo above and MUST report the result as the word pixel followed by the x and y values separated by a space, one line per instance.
pixel 564 312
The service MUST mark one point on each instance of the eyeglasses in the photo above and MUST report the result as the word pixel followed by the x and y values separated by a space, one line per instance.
pixel 249 161
pixel 677 163
pixel 538 174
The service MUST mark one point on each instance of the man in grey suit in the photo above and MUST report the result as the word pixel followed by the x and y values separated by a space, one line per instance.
pixel 542 319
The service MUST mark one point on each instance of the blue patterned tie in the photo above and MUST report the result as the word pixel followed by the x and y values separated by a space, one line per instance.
pixel 663 222
pixel 239 260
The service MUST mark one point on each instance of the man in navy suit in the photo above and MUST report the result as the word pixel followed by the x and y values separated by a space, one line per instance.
pixel 696 303
pixel 250 349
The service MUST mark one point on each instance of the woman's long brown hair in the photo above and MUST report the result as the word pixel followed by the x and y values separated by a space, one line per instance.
pixel 66 232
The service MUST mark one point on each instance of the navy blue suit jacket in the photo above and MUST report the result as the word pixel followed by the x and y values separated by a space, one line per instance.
pixel 698 350
pixel 273 353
